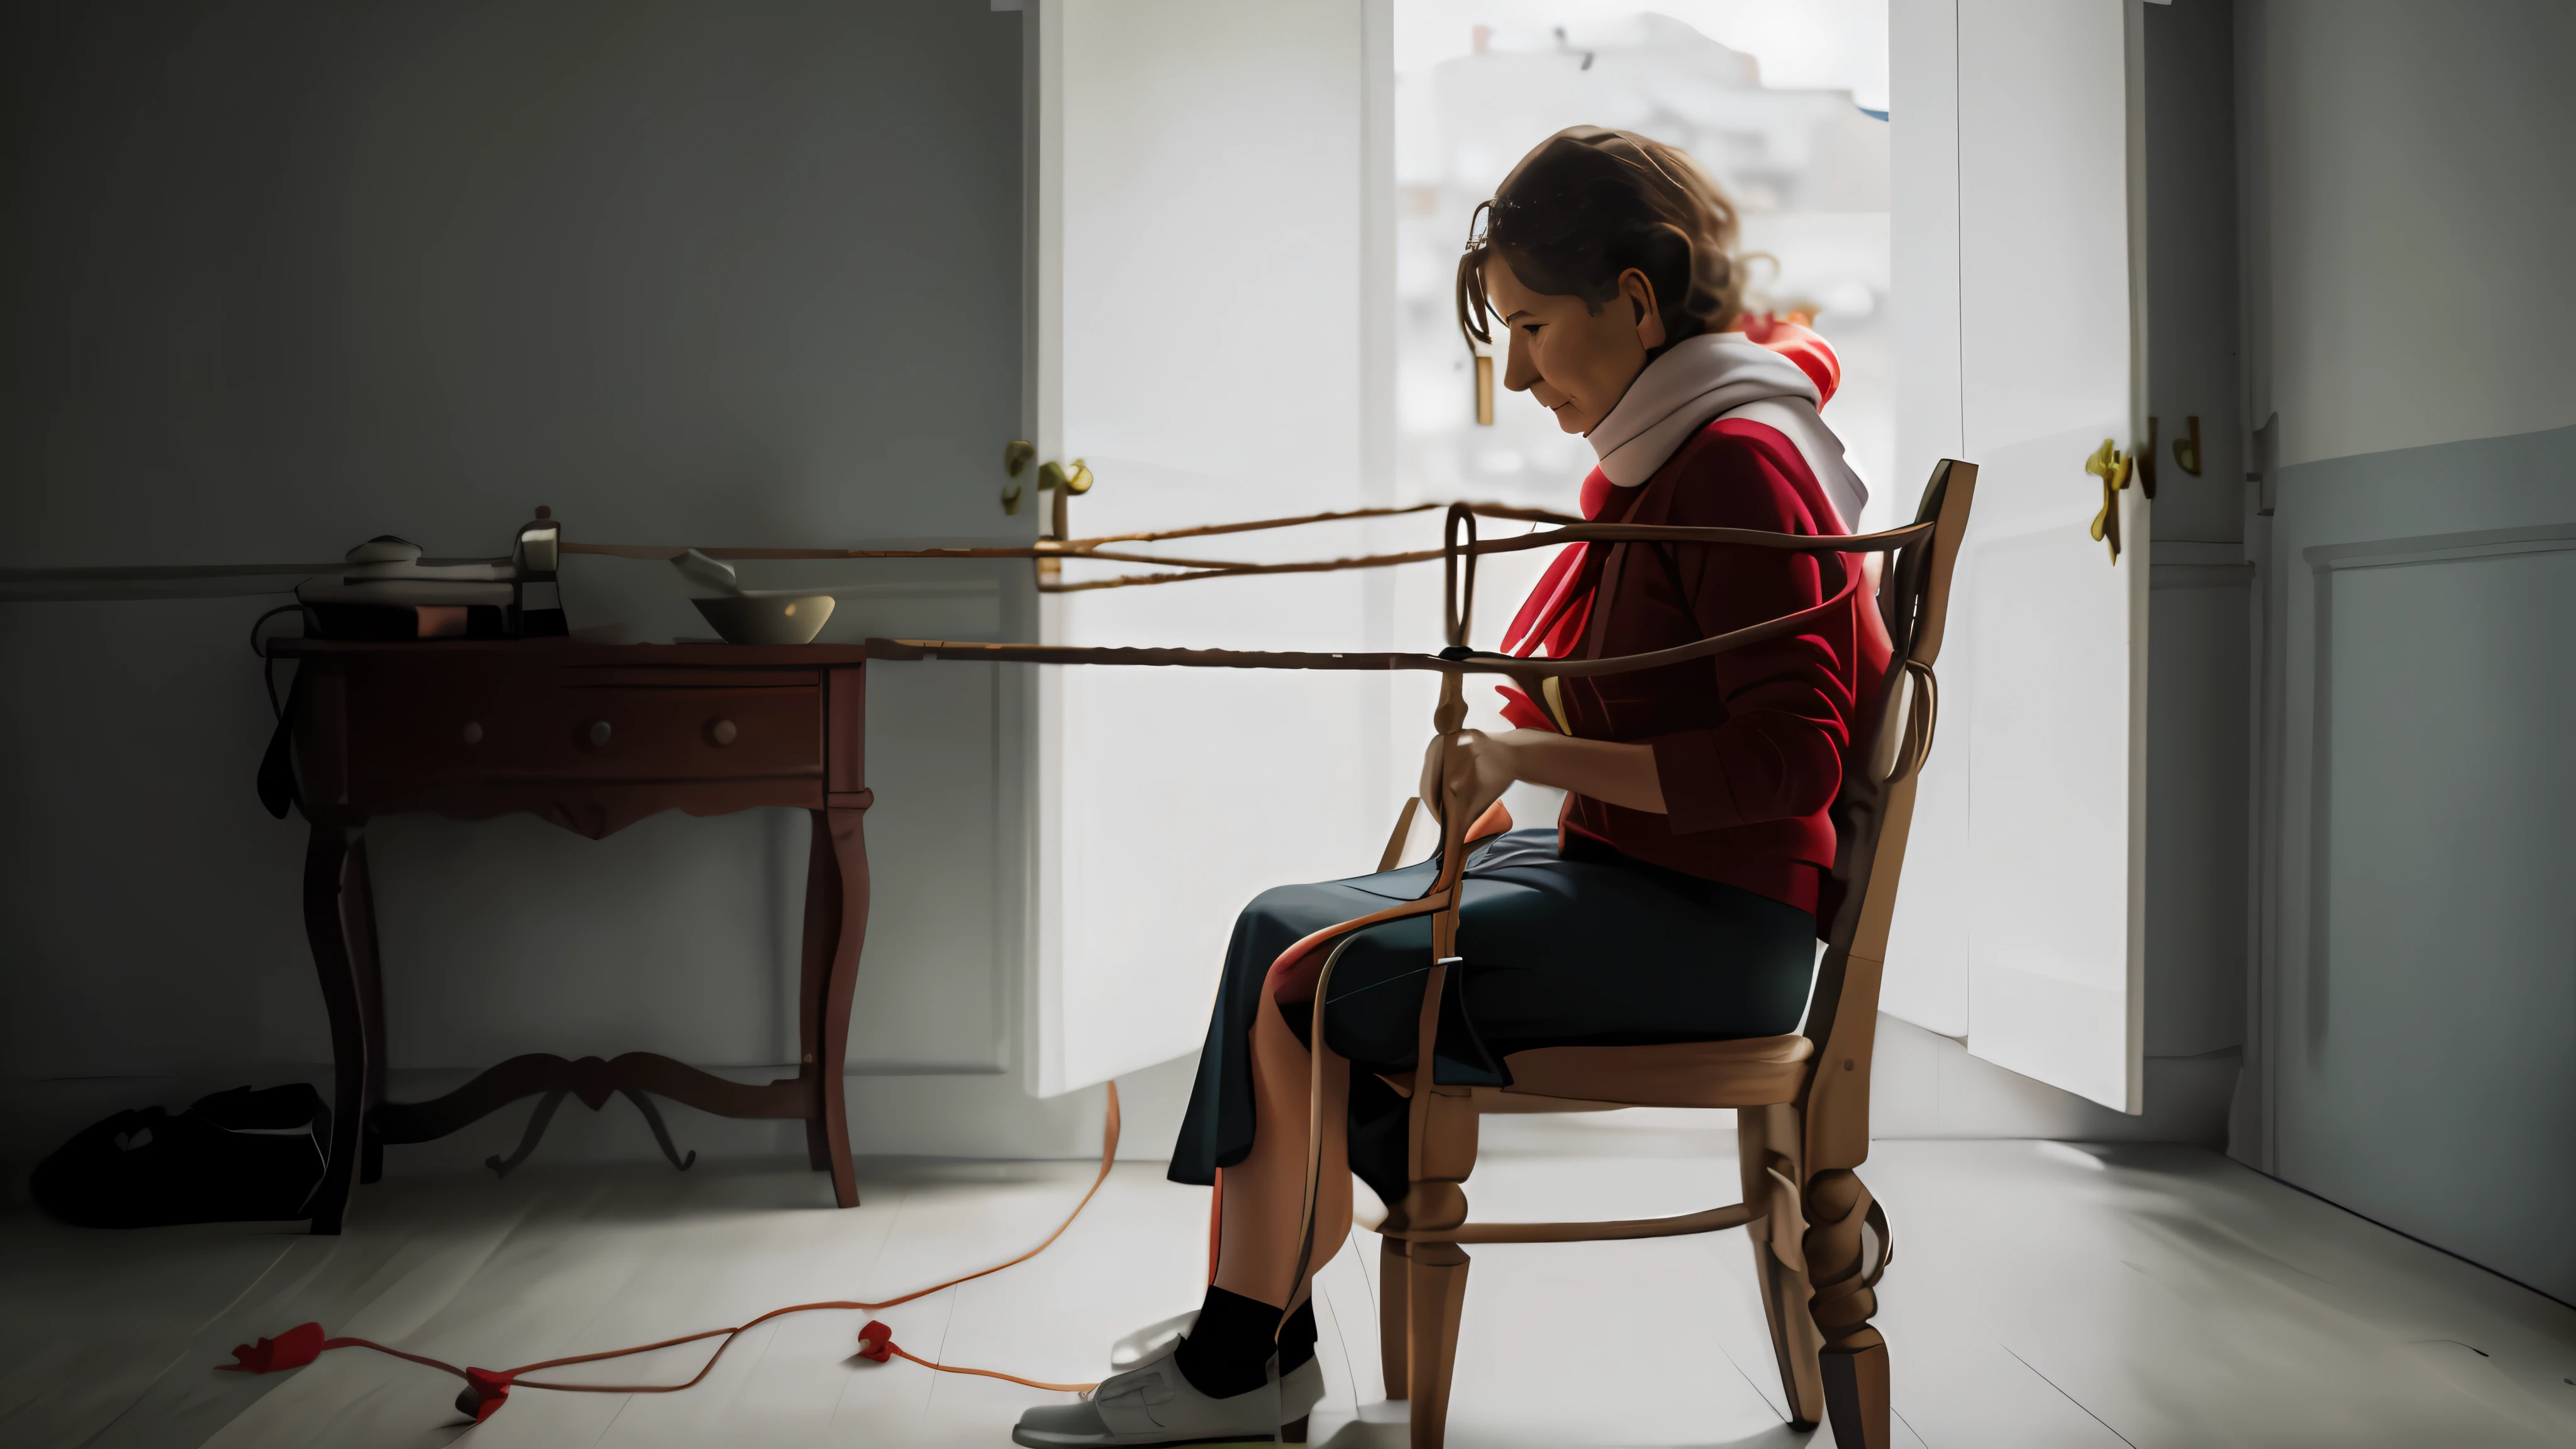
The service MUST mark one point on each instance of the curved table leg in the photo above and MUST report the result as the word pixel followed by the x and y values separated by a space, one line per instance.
pixel 661 1130
pixel 537 1120
pixel 366 965
pixel 822 944
pixel 848 843
pixel 327 857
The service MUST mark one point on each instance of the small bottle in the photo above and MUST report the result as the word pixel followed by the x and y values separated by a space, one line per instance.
pixel 539 612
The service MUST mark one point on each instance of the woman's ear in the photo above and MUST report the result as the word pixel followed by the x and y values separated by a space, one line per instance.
pixel 1639 295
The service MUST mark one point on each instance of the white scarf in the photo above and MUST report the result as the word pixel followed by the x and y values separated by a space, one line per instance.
pixel 1714 375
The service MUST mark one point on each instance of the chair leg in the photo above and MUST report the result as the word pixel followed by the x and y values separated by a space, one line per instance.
pixel 1794 1340
pixel 1856 1391
pixel 1394 1320
pixel 1768 1141
pixel 1854 1362
pixel 1438 1301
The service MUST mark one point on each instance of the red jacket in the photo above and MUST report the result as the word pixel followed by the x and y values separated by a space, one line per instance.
pixel 1751 745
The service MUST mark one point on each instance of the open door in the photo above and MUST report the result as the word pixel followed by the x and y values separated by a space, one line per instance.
pixel 2018 226
pixel 1205 191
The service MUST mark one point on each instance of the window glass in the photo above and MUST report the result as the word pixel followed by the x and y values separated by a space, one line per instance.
pixel 1784 105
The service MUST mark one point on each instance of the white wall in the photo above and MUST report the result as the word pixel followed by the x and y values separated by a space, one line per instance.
pixel 2407 299
pixel 280 277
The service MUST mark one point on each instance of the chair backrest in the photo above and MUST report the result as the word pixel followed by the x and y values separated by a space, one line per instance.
pixel 1872 818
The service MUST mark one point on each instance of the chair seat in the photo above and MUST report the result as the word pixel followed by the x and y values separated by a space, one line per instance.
pixel 1756 1071
pixel 1751 1072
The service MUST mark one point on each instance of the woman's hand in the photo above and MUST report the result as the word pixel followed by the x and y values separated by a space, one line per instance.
pixel 1478 767
pixel 1482 766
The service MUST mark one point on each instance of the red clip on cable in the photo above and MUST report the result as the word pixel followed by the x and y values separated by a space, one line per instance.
pixel 484 1393
pixel 876 1342
pixel 294 1348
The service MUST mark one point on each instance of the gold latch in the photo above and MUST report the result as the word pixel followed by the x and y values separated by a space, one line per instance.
pixel 2112 466
pixel 1063 480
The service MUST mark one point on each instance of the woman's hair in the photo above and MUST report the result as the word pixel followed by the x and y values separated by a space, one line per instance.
pixel 1588 204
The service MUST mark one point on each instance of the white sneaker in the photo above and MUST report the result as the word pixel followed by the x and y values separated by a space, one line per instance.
pixel 1301 1390
pixel 1299 1393
pixel 1153 1404
pixel 1151 1340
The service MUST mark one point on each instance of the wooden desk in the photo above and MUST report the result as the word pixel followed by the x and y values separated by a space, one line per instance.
pixel 593 738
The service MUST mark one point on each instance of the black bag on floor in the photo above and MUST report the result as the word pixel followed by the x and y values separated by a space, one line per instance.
pixel 236 1156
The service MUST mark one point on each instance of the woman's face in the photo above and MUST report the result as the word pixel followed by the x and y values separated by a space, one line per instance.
pixel 1575 362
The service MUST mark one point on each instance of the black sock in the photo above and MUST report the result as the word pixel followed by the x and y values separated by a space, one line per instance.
pixel 1228 1350
pixel 1297 1339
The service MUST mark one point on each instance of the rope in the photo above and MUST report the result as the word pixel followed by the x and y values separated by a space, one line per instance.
pixel 1569 530
pixel 1099 547
pixel 1178 570
pixel 1451 662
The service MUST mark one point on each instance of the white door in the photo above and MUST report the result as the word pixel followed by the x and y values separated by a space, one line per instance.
pixel 1205 193
pixel 2018 225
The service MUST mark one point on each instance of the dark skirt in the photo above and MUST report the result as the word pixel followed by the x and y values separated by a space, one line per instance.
pixel 1589 947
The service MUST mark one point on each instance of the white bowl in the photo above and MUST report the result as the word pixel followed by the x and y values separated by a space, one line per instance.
pixel 768 617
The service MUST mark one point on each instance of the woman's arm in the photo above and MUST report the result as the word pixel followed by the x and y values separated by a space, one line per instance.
pixel 1777 754
pixel 1483 766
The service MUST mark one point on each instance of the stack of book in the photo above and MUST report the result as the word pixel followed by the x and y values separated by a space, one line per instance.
pixel 390 592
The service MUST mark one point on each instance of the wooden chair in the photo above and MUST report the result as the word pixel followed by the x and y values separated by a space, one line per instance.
pixel 1801 1101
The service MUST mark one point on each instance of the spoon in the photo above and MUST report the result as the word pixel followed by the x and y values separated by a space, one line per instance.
pixel 705 572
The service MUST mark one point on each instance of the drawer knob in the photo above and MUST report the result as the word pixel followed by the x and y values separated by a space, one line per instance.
pixel 473 732
pixel 722 732
pixel 597 734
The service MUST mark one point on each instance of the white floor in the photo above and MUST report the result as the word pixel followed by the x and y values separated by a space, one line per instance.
pixel 2042 1295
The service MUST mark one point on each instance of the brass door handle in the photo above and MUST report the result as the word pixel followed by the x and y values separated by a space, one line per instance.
pixel 1076 479
pixel 1061 479
pixel 2112 466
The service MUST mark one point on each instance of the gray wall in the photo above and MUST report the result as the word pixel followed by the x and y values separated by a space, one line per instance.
pixel 2196 698
pixel 2408 298
pixel 275 277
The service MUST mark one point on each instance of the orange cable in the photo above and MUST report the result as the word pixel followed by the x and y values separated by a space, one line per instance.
pixel 1108 1158
pixel 947 1368
pixel 510 1377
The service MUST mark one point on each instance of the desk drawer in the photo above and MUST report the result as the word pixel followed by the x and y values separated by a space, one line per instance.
pixel 405 733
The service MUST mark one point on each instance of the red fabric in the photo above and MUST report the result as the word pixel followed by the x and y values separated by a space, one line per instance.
pixel 1551 620
pixel 1813 354
pixel 876 1341
pixel 1522 712
pixel 1750 746
pixel 294 1348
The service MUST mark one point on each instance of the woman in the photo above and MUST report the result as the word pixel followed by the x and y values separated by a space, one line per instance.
pixel 1677 899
